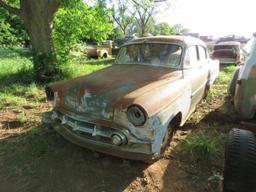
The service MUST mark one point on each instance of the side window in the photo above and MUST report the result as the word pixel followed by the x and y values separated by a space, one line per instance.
pixel 191 58
pixel 202 53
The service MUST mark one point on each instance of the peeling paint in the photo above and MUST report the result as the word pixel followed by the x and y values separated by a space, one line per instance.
pixel 92 110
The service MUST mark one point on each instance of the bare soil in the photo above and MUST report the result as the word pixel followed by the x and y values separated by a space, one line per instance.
pixel 34 158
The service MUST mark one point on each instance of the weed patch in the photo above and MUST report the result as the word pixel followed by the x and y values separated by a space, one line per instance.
pixel 203 145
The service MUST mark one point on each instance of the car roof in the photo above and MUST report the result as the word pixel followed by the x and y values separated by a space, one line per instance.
pixel 175 39
pixel 229 43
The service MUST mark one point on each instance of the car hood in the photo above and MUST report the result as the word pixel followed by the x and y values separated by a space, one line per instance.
pixel 97 95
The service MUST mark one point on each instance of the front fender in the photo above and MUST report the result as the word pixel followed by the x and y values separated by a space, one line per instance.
pixel 155 128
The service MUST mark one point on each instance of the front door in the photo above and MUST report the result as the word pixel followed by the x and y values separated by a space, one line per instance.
pixel 196 71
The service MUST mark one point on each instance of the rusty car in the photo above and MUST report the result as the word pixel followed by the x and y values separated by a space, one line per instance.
pixel 242 89
pixel 104 50
pixel 132 108
pixel 228 52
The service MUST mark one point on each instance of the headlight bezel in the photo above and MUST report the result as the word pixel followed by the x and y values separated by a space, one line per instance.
pixel 49 93
pixel 136 115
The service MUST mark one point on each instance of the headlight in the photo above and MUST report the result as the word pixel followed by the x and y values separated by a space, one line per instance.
pixel 49 94
pixel 136 115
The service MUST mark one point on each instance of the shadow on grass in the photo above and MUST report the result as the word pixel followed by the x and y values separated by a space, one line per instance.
pixel 10 52
pixel 23 77
pixel 40 160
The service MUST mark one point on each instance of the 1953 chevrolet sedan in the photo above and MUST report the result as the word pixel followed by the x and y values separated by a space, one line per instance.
pixel 132 108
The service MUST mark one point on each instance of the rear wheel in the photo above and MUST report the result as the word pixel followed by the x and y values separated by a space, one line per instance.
pixel 240 162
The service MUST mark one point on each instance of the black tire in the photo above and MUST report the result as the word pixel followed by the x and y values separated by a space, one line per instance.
pixel 105 55
pixel 240 162
pixel 206 90
pixel 167 138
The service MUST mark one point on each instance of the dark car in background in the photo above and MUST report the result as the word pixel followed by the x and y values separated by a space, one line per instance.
pixel 228 52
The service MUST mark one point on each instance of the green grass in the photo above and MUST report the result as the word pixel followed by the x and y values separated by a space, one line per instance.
pixel 10 100
pixel 219 89
pixel 203 145
pixel 22 118
pixel 18 86
pixel 74 69
pixel 216 177
pixel 14 67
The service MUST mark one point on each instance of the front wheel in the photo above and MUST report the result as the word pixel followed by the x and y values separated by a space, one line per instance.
pixel 105 55
pixel 206 90
pixel 167 138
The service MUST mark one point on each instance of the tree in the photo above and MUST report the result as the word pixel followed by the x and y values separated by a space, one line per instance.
pixel 144 12
pixel 72 25
pixel 136 16
pixel 38 17
pixel 120 14
pixel 179 29
pixel 163 29
pixel 12 30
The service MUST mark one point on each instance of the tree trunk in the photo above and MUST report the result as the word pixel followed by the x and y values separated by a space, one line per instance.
pixel 142 29
pixel 38 17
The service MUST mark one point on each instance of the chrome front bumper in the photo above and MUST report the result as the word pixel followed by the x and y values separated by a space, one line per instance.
pixel 99 138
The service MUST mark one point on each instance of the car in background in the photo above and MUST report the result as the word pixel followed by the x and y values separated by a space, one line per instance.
pixel 132 108
pixel 242 88
pixel 104 50
pixel 228 52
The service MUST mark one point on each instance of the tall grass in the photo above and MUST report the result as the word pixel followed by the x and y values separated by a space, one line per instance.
pixel 203 145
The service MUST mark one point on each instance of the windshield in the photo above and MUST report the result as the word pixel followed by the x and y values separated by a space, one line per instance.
pixel 220 47
pixel 154 54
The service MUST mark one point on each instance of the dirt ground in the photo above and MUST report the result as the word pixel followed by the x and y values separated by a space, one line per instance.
pixel 34 158
pixel 40 160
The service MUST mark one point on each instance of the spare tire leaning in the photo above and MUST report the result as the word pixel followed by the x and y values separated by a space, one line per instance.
pixel 240 162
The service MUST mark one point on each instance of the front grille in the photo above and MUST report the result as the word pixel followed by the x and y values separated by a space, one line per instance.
pixel 89 126
pixel 87 130
pixel 94 138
